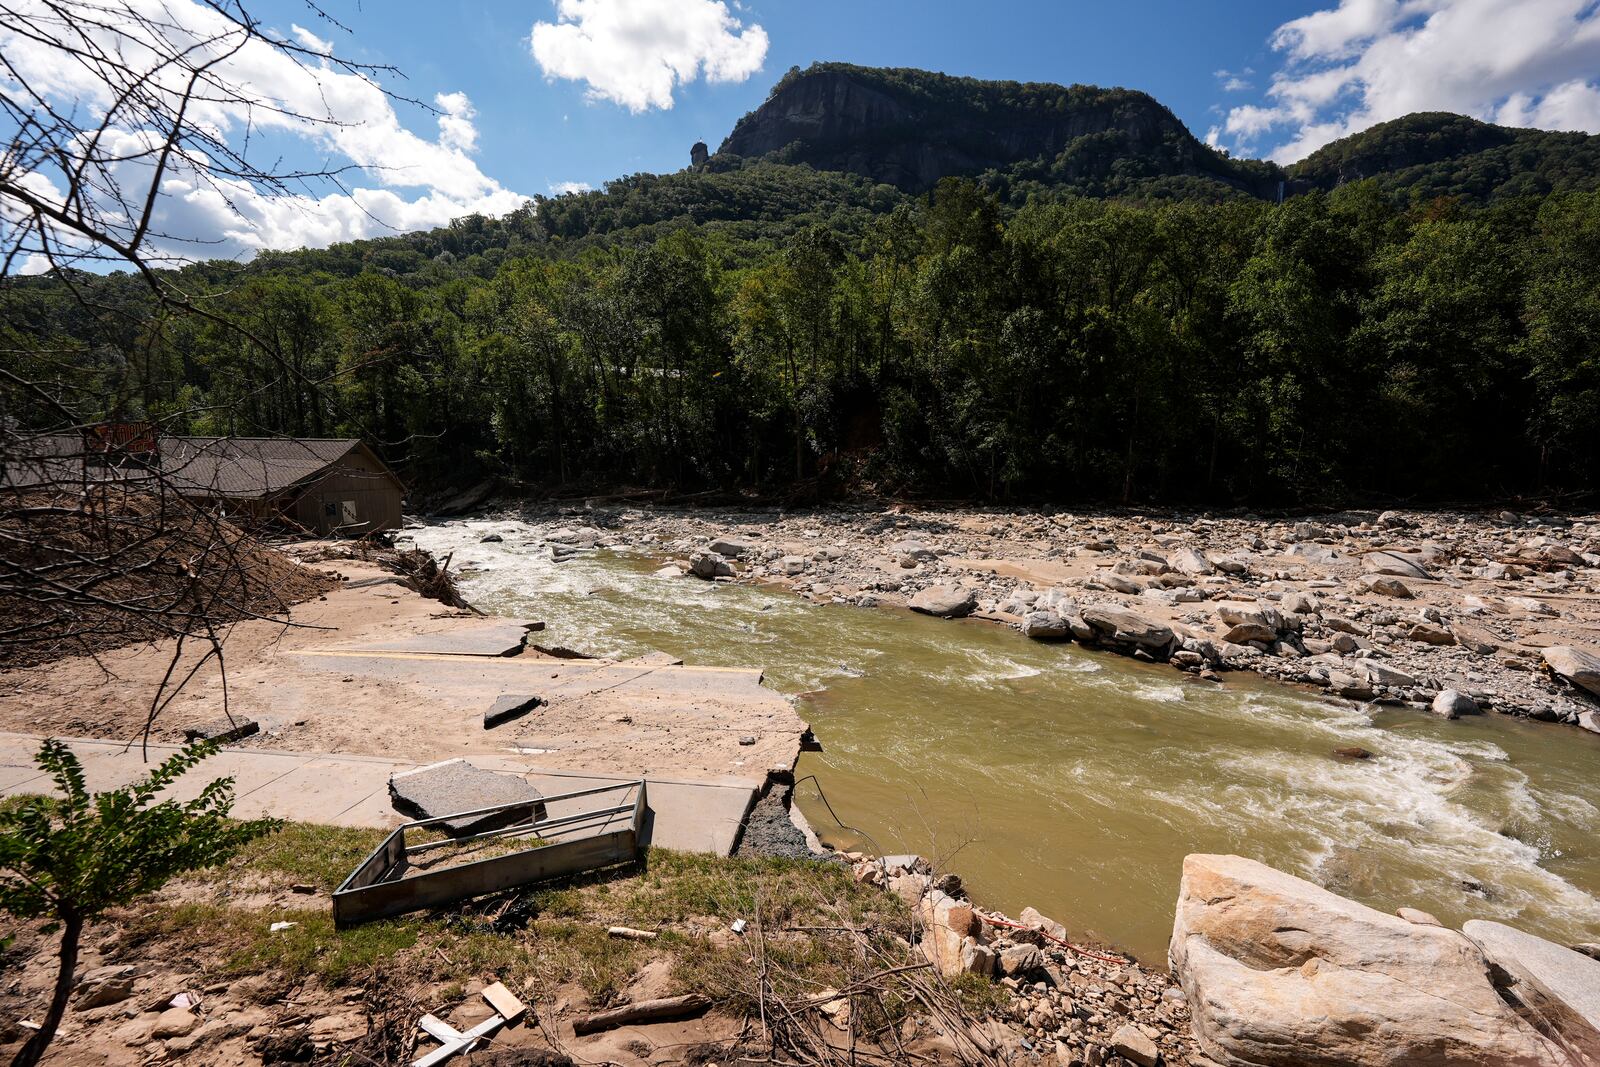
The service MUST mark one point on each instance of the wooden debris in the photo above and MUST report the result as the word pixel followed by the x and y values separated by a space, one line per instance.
pixel 646 1011
pixel 505 1002
pixel 630 934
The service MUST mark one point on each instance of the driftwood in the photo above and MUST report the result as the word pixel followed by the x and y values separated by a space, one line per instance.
pixel 646 1011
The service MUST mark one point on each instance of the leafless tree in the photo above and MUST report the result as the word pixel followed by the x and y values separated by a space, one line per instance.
pixel 103 103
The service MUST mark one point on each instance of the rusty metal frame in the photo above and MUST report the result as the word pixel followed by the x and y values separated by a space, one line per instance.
pixel 380 887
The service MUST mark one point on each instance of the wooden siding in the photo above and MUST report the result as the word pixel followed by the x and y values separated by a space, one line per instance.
pixel 359 478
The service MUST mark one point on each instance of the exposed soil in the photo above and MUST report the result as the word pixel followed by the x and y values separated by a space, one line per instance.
pixel 84 574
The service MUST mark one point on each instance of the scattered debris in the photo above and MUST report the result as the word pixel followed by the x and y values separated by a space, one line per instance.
pixel 223 731
pixel 628 933
pixel 457 786
pixel 645 1011
pixel 507 707
pixel 504 1002
pixel 279 927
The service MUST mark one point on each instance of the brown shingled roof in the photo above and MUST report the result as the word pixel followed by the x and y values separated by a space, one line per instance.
pixel 229 467
pixel 248 467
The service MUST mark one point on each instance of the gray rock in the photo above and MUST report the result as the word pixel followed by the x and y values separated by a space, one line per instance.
pixel 1300 603
pixel 1250 631
pixel 914 549
pixel 730 548
pixel 1452 704
pixel 1312 552
pixel 1551 982
pixel 1400 564
pixel 174 1022
pixel 1135 1046
pixel 1045 626
pixel 945 601
pixel 1188 561
pixel 1387 585
pixel 1429 634
pixel 1378 674
pixel 107 991
pixel 1393 520
pixel 1126 627
pixel 709 565
pixel 457 786
pixel 1282 973
pixel 1018 960
pixel 1118 584
pixel 1579 666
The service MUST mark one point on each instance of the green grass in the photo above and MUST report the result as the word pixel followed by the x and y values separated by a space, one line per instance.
pixel 302 853
pixel 564 939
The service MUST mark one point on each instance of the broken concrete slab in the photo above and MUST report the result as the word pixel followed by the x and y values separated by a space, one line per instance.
pixel 222 731
pixel 491 637
pixel 455 785
pixel 508 706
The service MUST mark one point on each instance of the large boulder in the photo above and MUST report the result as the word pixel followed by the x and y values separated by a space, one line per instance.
pixel 1045 626
pixel 731 547
pixel 945 601
pixel 1188 561
pixel 1577 665
pixel 1124 627
pixel 709 565
pixel 1550 982
pixel 1279 972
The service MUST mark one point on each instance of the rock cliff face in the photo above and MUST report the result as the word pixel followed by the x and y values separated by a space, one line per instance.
pixel 910 128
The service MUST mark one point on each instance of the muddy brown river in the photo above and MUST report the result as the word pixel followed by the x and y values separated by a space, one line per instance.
pixel 1076 781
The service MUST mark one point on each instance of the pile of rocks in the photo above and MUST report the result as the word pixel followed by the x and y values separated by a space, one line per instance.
pixel 1387 607
pixel 1064 1007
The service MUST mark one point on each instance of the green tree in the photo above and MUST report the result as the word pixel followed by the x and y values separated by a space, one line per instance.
pixel 69 859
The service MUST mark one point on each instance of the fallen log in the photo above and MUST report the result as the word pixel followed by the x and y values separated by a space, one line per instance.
pixel 646 1011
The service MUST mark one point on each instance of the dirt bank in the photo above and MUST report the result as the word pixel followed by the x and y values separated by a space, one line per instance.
pixel 359 670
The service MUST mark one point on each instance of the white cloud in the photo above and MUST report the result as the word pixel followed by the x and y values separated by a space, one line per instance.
pixel 1235 81
pixel 456 129
pixel 1528 63
pixel 398 181
pixel 636 52
pixel 563 188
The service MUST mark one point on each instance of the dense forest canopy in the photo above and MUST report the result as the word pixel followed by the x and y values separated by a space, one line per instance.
pixel 1426 327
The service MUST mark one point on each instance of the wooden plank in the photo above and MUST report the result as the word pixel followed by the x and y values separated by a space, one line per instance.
pixel 504 1002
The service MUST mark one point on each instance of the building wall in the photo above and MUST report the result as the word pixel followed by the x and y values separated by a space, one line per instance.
pixel 359 480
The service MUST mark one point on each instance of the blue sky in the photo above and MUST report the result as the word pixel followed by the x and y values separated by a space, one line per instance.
pixel 535 133
pixel 535 98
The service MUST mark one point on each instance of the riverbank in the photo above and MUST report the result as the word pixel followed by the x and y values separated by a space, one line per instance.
pixel 1057 776
pixel 1367 606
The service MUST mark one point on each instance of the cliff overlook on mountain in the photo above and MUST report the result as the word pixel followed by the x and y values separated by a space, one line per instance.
pixel 910 128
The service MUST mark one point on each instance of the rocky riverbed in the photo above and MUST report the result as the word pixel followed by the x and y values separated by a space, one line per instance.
pixel 1454 613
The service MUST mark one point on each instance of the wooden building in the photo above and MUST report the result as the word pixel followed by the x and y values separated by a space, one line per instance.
pixel 329 486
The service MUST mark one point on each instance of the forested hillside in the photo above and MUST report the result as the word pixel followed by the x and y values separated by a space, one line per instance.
pixel 1333 347
pixel 1425 156
pixel 1127 320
